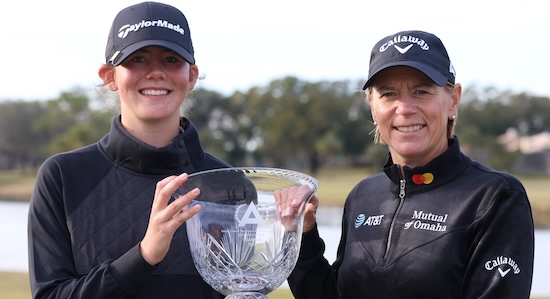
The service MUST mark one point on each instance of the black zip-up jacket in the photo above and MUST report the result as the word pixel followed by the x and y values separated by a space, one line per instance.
pixel 90 209
pixel 450 229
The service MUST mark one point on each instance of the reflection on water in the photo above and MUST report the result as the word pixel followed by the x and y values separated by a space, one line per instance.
pixel 13 233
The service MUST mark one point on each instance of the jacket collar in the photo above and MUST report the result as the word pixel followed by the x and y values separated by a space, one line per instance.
pixel 437 172
pixel 184 153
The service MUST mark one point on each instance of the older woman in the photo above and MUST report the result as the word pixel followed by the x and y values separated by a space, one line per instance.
pixel 434 223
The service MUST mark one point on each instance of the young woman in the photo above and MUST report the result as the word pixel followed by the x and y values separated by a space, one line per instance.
pixel 101 224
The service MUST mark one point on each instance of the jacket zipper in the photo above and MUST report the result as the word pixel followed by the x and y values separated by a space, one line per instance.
pixel 401 201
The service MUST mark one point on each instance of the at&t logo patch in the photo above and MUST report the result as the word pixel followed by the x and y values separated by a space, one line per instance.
pixel 361 219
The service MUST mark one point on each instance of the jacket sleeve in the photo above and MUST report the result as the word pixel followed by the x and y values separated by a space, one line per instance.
pixel 313 277
pixel 500 246
pixel 51 265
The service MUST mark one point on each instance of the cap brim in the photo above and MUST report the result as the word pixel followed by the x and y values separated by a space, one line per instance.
pixel 124 53
pixel 437 77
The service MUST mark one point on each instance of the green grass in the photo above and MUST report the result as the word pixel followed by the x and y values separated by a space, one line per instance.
pixel 537 190
pixel 281 293
pixel 14 285
pixel 16 185
pixel 335 184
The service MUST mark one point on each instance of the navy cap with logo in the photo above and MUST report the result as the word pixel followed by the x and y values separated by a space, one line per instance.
pixel 417 49
pixel 148 24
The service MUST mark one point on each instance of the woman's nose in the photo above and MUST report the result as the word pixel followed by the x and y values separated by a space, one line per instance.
pixel 405 105
pixel 155 71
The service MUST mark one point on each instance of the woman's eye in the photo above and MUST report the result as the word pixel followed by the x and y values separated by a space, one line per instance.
pixel 421 92
pixel 138 59
pixel 171 59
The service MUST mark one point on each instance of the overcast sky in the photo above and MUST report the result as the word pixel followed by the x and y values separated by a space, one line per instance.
pixel 52 46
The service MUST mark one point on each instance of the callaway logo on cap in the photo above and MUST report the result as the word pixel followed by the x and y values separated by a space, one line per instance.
pixel 418 49
pixel 148 24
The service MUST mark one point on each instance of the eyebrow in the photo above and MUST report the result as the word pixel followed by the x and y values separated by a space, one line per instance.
pixel 425 84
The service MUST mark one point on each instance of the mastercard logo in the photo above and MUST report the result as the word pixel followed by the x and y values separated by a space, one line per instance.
pixel 423 179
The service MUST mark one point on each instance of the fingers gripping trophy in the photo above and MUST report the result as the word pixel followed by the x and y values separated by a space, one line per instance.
pixel 246 237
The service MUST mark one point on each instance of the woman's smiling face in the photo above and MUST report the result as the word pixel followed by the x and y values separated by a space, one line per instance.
pixel 152 84
pixel 412 114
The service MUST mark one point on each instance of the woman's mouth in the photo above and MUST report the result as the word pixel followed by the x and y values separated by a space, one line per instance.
pixel 154 92
pixel 410 128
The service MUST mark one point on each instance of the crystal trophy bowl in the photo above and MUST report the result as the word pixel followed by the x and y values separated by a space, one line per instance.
pixel 246 237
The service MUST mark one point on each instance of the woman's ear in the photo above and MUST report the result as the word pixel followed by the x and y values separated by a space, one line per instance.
pixel 456 95
pixel 107 74
pixel 193 76
pixel 368 97
pixel 373 116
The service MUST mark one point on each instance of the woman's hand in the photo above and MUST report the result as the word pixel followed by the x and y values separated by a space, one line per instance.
pixel 310 217
pixel 291 202
pixel 166 218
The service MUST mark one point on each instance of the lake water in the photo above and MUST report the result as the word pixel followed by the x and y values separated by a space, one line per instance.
pixel 13 248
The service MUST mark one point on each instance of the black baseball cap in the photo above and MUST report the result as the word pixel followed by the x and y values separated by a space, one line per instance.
pixel 148 24
pixel 417 49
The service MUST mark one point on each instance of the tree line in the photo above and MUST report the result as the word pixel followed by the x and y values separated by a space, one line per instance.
pixel 287 123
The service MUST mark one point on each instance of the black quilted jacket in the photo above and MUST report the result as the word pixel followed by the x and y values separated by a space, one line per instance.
pixel 90 209
pixel 450 229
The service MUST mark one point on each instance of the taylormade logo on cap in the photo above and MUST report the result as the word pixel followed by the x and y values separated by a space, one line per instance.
pixel 148 24
pixel 126 29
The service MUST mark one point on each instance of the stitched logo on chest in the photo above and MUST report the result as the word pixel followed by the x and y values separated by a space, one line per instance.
pixel 362 219
pixel 427 221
